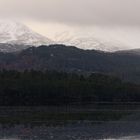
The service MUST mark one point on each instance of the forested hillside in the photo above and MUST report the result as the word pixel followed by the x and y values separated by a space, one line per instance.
pixel 33 88
pixel 71 59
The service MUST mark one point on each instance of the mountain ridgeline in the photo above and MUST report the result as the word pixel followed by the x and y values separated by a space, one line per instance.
pixel 71 59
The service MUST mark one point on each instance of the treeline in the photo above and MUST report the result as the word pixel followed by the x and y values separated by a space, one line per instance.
pixel 33 88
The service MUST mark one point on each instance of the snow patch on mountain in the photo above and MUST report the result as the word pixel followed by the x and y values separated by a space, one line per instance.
pixel 99 37
pixel 89 42
pixel 13 32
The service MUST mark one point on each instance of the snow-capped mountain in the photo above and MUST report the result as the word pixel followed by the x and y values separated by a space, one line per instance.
pixel 16 33
pixel 89 42
pixel 15 36
pixel 99 37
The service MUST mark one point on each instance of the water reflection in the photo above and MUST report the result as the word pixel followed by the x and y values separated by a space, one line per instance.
pixel 107 122
pixel 79 131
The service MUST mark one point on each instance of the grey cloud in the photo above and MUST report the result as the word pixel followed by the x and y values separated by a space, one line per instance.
pixel 125 12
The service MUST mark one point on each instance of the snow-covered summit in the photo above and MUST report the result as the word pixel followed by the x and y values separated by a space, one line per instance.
pixel 89 42
pixel 98 37
pixel 13 32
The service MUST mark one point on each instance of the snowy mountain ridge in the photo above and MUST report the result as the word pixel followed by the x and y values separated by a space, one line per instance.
pixel 89 42
pixel 12 32
pixel 17 36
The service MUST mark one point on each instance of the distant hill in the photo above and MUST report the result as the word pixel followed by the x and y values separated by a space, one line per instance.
pixel 72 59
pixel 131 51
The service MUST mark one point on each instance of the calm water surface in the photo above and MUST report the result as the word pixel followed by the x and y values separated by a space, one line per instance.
pixel 126 128
pixel 106 131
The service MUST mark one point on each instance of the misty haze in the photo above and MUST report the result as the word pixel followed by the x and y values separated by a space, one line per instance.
pixel 69 70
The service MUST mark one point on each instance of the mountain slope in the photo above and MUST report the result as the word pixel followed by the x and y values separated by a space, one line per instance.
pixel 131 51
pixel 13 33
pixel 90 43
pixel 72 59
pixel 91 40
pixel 4 47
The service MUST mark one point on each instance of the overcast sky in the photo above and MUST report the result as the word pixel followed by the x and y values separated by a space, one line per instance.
pixel 117 19
pixel 122 12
